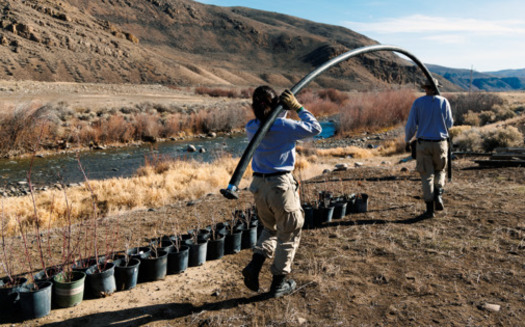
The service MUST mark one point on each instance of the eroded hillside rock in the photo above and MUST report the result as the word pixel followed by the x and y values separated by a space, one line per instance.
pixel 180 43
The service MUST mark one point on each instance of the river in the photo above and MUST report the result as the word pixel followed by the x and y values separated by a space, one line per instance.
pixel 120 161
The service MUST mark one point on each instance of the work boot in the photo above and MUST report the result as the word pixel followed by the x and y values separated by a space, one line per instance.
pixel 281 287
pixel 430 210
pixel 438 200
pixel 252 270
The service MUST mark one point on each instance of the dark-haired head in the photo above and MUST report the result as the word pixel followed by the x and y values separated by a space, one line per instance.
pixel 264 100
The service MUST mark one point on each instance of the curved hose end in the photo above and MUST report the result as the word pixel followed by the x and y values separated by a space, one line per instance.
pixel 230 192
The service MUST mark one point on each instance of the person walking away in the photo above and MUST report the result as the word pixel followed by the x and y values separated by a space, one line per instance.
pixel 429 120
pixel 274 188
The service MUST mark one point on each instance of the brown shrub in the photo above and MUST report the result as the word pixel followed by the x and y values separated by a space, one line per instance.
pixel 508 136
pixel 457 130
pixel 172 126
pixel 146 125
pixel 392 147
pixel 468 140
pixel 475 102
pixel 246 93
pixel 118 129
pixel 503 113
pixel 217 92
pixel 487 117
pixel 321 103
pixel 24 128
pixel 472 118
pixel 375 110
pixel 333 95
pixel 223 120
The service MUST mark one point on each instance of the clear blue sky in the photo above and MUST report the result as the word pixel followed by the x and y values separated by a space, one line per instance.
pixel 483 35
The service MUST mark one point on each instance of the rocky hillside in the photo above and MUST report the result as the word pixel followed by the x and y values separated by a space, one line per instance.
pixel 180 42
pixel 504 80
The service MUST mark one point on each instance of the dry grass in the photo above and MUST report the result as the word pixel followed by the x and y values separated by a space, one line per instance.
pixel 388 148
pixel 161 181
pixel 157 184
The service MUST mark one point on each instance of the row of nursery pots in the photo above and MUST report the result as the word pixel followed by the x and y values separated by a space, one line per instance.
pixel 328 208
pixel 90 278
pixel 87 279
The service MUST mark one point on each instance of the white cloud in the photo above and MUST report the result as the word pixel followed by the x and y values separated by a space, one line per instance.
pixel 446 38
pixel 427 24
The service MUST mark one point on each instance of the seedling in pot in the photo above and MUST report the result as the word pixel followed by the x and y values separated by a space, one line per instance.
pixel 9 281
pixel 68 249
pixel 216 229
pixel 176 240
pixel 234 222
pixel 127 245
pixel 325 198
pixel 37 220
pixel 101 266
pixel 154 245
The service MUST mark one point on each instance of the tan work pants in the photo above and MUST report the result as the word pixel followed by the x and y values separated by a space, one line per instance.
pixel 431 163
pixel 279 210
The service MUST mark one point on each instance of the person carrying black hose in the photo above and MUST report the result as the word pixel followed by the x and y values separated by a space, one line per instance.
pixel 274 188
pixel 431 117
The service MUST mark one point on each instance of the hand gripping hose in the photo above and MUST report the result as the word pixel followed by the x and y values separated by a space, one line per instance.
pixel 231 191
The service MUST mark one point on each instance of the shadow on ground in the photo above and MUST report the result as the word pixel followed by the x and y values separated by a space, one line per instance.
pixel 147 314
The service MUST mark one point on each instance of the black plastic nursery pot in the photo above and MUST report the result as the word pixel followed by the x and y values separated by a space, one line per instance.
pixel 154 267
pixel 215 248
pixel 35 302
pixel 68 288
pixel 9 295
pixel 323 215
pixel 101 282
pixel 361 203
pixel 339 209
pixel 249 235
pixel 197 254
pixel 308 216
pixel 350 203
pixel 260 228
pixel 232 242
pixel 178 260
pixel 126 273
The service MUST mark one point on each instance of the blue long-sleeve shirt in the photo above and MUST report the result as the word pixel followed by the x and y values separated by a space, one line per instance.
pixel 276 152
pixel 431 117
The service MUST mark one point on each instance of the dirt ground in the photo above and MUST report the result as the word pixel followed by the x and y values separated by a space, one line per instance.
pixel 385 267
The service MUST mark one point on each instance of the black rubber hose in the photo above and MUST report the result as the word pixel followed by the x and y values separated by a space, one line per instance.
pixel 231 191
